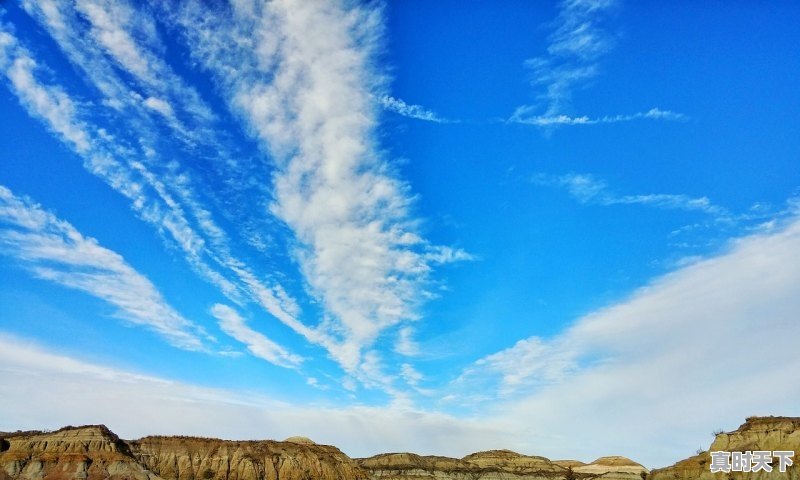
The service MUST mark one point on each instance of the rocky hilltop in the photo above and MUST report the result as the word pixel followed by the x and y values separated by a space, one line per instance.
pixel 95 453
pixel 86 453
pixel 757 433
pixel 188 458
pixel 494 465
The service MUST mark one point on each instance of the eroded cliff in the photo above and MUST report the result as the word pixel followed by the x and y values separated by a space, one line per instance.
pixel 85 453
pixel 495 465
pixel 757 433
pixel 191 458
pixel 95 453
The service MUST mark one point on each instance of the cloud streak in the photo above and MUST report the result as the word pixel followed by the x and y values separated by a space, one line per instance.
pixel 260 346
pixel 165 199
pixel 580 38
pixel 418 112
pixel 523 115
pixel 137 404
pixel 630 361
pixel 578 41
pixel 589 190
pixel 312 100
pixel 306 87
pixel 55 251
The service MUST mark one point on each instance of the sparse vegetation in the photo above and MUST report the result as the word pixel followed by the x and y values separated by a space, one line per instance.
pixel 570 474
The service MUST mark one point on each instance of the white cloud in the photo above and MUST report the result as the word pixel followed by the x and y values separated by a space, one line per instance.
pixel 648 378
pixel 313 101
pixel 306 87
pixel 418 112
pixel 166 200
pixel 102 37
pixel 52 104
pixel 525 115
pixel 259 345
pixel 530 362
pixel 405 344
pixel 577 42
pixel 160 106
pixel 579 39
pixel 410 374
pixel 134 405
pixel 651 376
pixel 590 190
pixel 53 250
pixel 148 195
pixel 108 21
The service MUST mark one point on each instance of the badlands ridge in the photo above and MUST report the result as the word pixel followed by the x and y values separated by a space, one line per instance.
pixel 95 453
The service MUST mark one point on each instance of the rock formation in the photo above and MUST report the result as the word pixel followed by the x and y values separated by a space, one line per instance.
pixel 190 458
pixel 491 465
pixel 495 465
pixel 95 453
pixel 612 468
pixel 757 433
pixel 85 453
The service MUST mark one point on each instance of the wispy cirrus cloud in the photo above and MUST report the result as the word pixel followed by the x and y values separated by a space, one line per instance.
pixel 52 104
pixel 55 251
pixel 630 359
pixel 524 115
pixel 259 345
pixel 103 38
pixel 106 157
pixel 588 189
pixel 418 112
pixel 166 199
pixel 312 101
pixel 137 404
pixel 306 87
pixel 580 38
pixel 531 362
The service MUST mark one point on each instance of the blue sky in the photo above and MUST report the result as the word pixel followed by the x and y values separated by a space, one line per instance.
pixel 409 225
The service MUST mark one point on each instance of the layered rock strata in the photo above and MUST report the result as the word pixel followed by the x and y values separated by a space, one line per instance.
pixel 757 433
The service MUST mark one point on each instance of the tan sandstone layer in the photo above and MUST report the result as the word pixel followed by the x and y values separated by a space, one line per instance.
pixel 757 433
pixel 495 465
pixel 191 458
pixel 85 453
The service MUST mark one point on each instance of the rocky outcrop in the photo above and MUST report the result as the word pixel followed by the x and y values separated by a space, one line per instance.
pixel 616 468
pixel 85 453
pixel 191 458
pixel 95 453
pixel 757 433
pixel 490 465
pixel 496 465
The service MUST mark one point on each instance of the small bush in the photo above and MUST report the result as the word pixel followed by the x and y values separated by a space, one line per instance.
pixel 570 475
